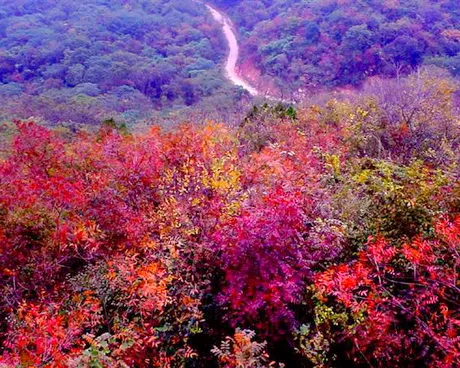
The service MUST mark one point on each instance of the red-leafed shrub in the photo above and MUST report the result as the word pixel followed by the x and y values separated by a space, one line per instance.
pixel 49 334
pixel 403 301
pixel 268 253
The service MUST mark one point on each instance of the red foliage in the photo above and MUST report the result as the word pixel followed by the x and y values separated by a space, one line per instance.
pixel 47 335
pixel 405 299
pixel 116 248
pixel 128 205
pixel 268 253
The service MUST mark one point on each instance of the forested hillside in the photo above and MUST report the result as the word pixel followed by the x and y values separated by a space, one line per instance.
pixel 327 236
pixel 319 44
pixel 86 61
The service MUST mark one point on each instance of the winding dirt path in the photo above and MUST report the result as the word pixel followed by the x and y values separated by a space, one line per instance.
pixel 232 58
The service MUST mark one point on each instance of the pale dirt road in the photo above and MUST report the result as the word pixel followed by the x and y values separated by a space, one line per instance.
pixel 232 58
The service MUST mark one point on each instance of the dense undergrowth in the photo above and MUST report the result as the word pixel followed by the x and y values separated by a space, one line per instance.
pixel 325 236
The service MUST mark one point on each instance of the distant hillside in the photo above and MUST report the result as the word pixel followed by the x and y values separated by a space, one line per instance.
pixel 88 61
pixel 317 44
pixel 85 61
